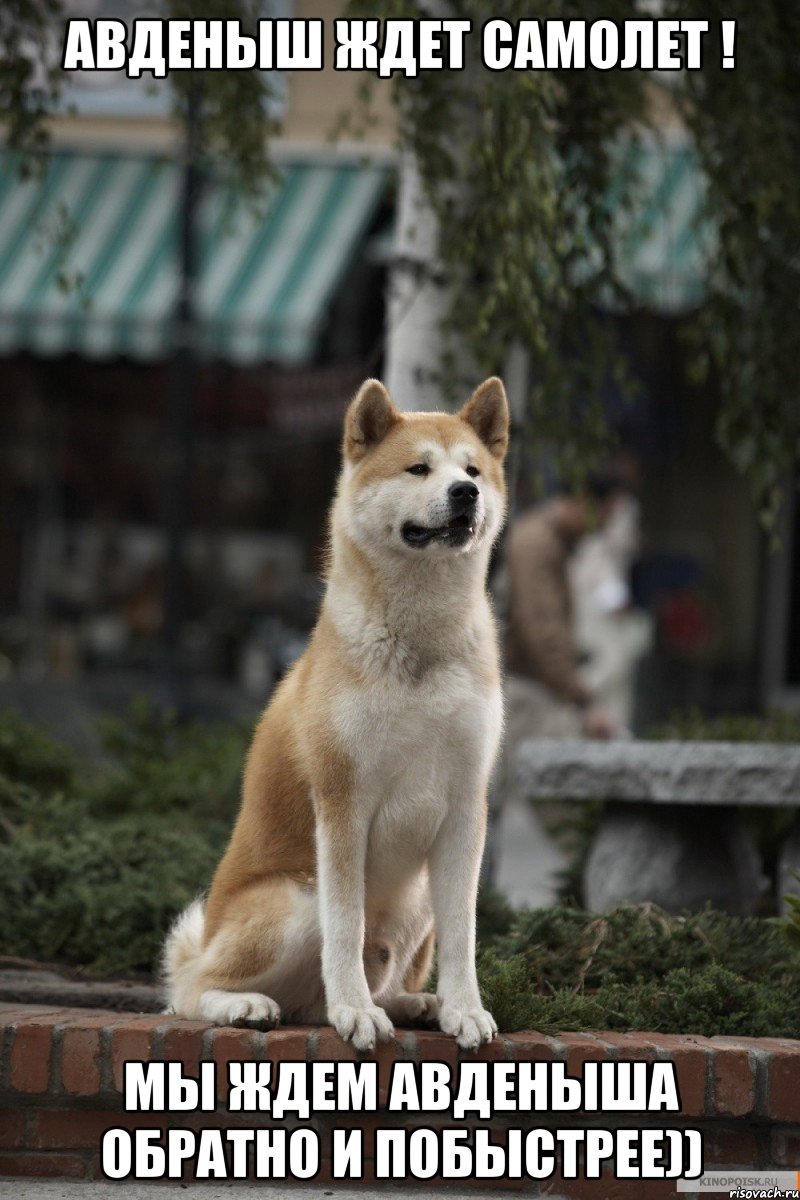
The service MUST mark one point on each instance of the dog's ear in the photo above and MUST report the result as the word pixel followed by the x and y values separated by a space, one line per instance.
pixel 369 418
pixel 487 412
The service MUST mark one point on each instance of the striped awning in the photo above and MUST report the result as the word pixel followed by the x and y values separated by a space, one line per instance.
pixel 663 245
pixel 89 257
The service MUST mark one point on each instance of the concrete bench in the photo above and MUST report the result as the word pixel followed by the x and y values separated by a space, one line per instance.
pixel 672 832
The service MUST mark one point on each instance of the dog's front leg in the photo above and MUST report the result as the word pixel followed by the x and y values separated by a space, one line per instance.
pixel 341 856
pixel 454 865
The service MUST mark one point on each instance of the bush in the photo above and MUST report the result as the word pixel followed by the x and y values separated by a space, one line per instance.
pixel 30 756
pixel 638 968
pixel 691 725
pixel 95 862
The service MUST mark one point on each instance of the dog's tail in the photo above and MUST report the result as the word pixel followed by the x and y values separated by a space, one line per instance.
pixel 180 959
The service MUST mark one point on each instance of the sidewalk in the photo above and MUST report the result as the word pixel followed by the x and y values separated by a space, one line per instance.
pixel 58 1189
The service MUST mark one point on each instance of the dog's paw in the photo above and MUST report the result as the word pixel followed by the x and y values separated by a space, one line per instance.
pixel 413 1006
pixel 251 1009
pixel 469 1026
pixel 361 1026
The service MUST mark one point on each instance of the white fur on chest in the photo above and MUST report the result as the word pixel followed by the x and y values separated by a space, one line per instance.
pixel 416 750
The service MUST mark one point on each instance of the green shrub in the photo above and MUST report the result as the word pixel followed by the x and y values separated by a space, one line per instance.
pixel 691 725
pixel 100 895
pixel 158 764
pixel 30 756
pixel 637 968
pixel 95 863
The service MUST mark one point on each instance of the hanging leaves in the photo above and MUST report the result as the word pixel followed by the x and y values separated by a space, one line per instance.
pixel 520 168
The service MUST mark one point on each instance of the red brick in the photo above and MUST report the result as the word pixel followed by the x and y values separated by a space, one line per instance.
pixel 734 1083
pixel 531 1047
pixel 289 1045
pixel 51 1166
pixel 132 1041
pixel 493 1051
pixel 231 1045
pixel 183 1042
pixel 784 1085
pixel 785 1147
pixel 386 1055
pixel 66 1129
pixel 632 1047
pixel 691 1069
pixel 730 1148
pixel 12 1128
pixel 81 1056
pixel 331 1047
pixel 32 1052
pixel 581 1048
pixel 78 1129
pixel 436 1047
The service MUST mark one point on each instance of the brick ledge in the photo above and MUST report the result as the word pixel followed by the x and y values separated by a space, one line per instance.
pixel 61 1075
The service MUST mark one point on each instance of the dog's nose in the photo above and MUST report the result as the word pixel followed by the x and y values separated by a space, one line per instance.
pixel 462 494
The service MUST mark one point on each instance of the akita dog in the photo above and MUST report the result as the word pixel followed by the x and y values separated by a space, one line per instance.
pixel 364 799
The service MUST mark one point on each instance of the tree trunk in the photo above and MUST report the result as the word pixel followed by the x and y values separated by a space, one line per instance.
pixel 417 300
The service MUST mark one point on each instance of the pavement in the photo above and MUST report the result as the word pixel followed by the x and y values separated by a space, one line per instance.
pixel 58 1189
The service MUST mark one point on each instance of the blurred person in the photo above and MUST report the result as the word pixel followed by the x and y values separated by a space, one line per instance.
pixel 547 695
pixel 611 634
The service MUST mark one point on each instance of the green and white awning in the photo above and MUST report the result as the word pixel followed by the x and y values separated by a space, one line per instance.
pixel 89 254
pixel 662 244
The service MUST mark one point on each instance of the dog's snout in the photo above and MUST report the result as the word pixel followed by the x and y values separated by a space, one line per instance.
pixel 463 494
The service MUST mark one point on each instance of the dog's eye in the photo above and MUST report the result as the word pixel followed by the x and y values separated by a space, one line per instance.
pixel 472 471
pixel 419 469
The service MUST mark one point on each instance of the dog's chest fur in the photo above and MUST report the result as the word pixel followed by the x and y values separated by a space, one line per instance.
pixel 417 738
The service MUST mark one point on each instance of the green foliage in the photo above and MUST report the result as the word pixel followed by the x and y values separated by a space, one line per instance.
pixel 495 915
pixel 692 725
pixel 519 167
pixel 100 894
pixel 161 765
pixel 234 106
pixel 566 947
pixel 792 923
pixel 745 128
pixel 28 91
pixel 27 754
pixel 95 862
pixel 710 1002
pixel 637 968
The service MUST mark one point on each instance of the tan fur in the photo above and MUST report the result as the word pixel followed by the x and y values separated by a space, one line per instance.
pixel 417 974
pixel 301 783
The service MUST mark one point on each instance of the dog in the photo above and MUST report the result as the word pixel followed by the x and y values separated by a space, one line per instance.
pixel 363 812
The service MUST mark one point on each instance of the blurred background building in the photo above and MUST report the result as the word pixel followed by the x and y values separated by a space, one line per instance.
pixel 288 315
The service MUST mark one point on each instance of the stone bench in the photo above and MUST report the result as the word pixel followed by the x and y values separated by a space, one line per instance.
pixel 672 832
